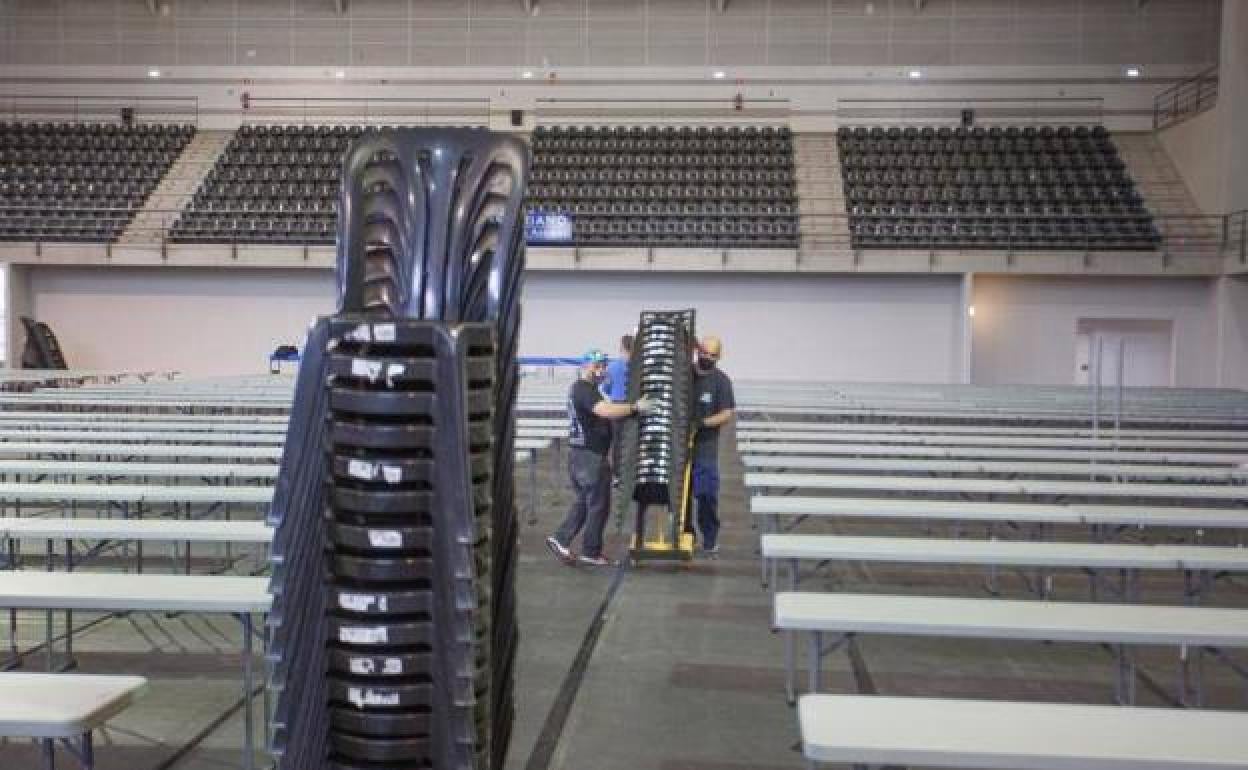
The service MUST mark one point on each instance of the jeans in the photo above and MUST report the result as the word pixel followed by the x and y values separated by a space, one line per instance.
pixel 706 496
pixel 590 474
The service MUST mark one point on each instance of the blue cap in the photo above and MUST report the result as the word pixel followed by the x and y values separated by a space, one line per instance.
pixel 593 356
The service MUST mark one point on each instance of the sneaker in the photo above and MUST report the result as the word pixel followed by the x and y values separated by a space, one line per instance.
pixel 561 553
pixel 712 552
pixel 593 561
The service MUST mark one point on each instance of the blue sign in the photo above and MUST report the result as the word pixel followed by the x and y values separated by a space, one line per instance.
pixel 548 227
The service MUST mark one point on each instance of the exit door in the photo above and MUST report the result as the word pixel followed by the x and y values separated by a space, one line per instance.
pixel 1146 347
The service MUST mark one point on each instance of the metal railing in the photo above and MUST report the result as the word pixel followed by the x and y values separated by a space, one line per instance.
pixel 988 111
pixel 399 111
pixel 1186 98
pixel 1177 236
pixel 98 109
pixel 631 112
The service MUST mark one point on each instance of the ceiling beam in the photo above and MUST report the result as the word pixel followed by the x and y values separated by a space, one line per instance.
pixel 151 7
pixel 918 5
pixel 528 6
pixel 721 5
pixel 341 7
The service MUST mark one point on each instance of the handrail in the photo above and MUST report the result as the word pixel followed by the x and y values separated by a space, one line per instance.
pixel 1186 98
pixel 99 109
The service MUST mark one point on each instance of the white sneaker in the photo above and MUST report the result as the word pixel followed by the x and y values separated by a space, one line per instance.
pixel 561 553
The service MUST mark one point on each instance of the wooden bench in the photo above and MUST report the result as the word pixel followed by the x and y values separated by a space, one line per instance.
pixel 938 732
pixel 65 708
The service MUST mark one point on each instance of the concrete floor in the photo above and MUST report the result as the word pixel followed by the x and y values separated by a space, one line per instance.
pixel 685 675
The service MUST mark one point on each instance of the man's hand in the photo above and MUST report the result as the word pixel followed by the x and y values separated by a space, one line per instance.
pixel 644 405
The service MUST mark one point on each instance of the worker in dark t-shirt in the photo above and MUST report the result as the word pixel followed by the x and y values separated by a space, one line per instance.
pixel 713 408
pixel 589 441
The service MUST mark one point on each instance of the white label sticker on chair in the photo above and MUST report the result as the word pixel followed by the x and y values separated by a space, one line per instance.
pixel 362 367
pixel 392 666
pixel 385 538
pixel 394 370
pixel 362 666
pixel 350 635
pixel 384 332
pixel 361 333
pixel 356 602
pixel 393 474
pixel 361 469
pixel 361 697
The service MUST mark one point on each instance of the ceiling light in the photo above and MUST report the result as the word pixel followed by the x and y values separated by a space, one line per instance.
pixel 153 73
pixel 527 74
pixel 1133 72
pixel 719 74
pixel 915 74
pixel 970 310
pixel 340 74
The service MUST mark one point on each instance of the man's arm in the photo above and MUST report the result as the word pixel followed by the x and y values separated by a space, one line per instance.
pixel 610 410
pixel 722 417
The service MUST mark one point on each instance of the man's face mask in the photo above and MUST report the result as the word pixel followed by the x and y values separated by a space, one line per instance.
pixel 705 363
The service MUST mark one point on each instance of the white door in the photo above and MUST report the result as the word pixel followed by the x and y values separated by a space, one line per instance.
pixel 1146 347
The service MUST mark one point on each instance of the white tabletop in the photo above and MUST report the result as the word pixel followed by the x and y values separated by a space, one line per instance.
pixel 134 493
pixel 46 416
pixel 1021 453
pixel 114 592
pixel 931 732
pixel 982 430
pixel 9 449
pixel 989 467
pixel 137 529
pixel 63 705
pixel 1004 552
pixel 8 424
pixel 1091 622
pixel 1049 513
pixel 996 487
pixel 170 437
pixel 266 471
pixel 952 440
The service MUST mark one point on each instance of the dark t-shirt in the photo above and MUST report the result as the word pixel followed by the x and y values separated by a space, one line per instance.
pixel 712 394
pixel 587 430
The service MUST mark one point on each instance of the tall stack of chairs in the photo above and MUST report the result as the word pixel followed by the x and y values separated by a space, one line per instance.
pixel 394 623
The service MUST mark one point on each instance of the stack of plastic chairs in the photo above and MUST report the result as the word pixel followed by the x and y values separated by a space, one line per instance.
pixel 394 628
pixel 655 448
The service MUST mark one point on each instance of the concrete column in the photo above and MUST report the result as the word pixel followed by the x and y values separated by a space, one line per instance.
pixel 1233 103
pixel 964 336
pixel 1230 297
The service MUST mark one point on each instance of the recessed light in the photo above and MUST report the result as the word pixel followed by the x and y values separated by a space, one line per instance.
pixel 970 310
pixel 719 74
pixel 1133 72
pixel 527 74
pixel 340 74
pixel 153 73
pixel 915 74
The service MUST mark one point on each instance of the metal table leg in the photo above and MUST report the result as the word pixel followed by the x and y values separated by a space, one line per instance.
pixel 249 738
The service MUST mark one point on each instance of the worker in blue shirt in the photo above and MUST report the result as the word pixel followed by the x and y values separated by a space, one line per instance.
pixel 616 386
pixel 616 389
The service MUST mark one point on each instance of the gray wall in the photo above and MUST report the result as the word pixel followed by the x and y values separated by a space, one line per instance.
pixel 1024 327
pixel 227 321
pixel 843 327
pixel 610 33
